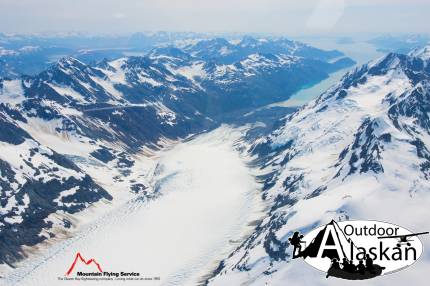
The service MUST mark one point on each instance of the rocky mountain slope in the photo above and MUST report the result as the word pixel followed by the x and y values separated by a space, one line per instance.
pixel 78 135
pixel 358 151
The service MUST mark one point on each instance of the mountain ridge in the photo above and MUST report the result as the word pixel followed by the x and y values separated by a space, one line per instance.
pixel 359 150
pixel 81 133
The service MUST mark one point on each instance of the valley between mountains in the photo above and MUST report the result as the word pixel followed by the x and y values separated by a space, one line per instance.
pixel 178 164
pixel 201 213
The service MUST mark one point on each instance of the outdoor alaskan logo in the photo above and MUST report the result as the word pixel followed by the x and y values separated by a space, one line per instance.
pixel 358 250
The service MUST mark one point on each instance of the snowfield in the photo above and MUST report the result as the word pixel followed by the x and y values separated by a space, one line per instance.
pixel 207 199
pixel 353 153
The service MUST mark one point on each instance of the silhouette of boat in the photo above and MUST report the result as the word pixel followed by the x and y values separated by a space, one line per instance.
pixel 356 275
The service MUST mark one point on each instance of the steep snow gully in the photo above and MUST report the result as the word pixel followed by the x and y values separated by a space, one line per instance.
pixel 207 203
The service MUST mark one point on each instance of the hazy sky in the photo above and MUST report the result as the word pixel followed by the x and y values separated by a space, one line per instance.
pixel 293 17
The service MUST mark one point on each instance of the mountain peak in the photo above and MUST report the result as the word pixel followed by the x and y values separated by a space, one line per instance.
pixel 168 51
pixel 69 61
pixel 422 53
pixel 248 41
pixel 68 65
pixel 104 64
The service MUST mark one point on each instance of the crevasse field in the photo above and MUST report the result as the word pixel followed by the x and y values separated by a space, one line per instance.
pixel 207 198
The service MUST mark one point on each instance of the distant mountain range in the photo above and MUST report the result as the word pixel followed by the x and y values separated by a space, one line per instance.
pixel 400 43
pixel 78 134
pixel 358 151
pixel 31 54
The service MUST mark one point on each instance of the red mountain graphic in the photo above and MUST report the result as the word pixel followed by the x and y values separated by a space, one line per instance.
pixel 86 262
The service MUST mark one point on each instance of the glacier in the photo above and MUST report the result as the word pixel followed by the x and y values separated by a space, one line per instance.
pixel 207 198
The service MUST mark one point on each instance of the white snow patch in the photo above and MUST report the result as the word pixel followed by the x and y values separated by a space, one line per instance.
pixel 68 92
pixel 12 92
pixel 117 76
pixel 195 70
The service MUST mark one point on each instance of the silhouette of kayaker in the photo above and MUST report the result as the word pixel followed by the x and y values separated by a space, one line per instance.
pixel 352 266
pixel 369 263
pixel 361 268
pixel 296 241
pixel 346 266
pixel 335 264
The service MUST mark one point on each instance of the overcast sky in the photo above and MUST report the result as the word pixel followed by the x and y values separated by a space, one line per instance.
pixel 295 17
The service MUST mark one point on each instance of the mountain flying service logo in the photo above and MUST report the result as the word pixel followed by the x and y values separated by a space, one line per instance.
pixel 90 269
pixel 358 250
pixel 79 258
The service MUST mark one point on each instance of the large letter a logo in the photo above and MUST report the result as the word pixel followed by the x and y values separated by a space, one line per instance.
pixel 330 245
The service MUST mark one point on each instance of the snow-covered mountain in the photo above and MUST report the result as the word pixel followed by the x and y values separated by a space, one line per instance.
pixel 77 135
pixel 358 151
pixel 38 186
pixel 400 43
pixel 243 75
pixel 227 52
pixel 71 129
pixel 31 54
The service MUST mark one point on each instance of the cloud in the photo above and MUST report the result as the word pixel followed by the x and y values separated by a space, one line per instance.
pixel 291 17
pixel 326 14
pixel 119 16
